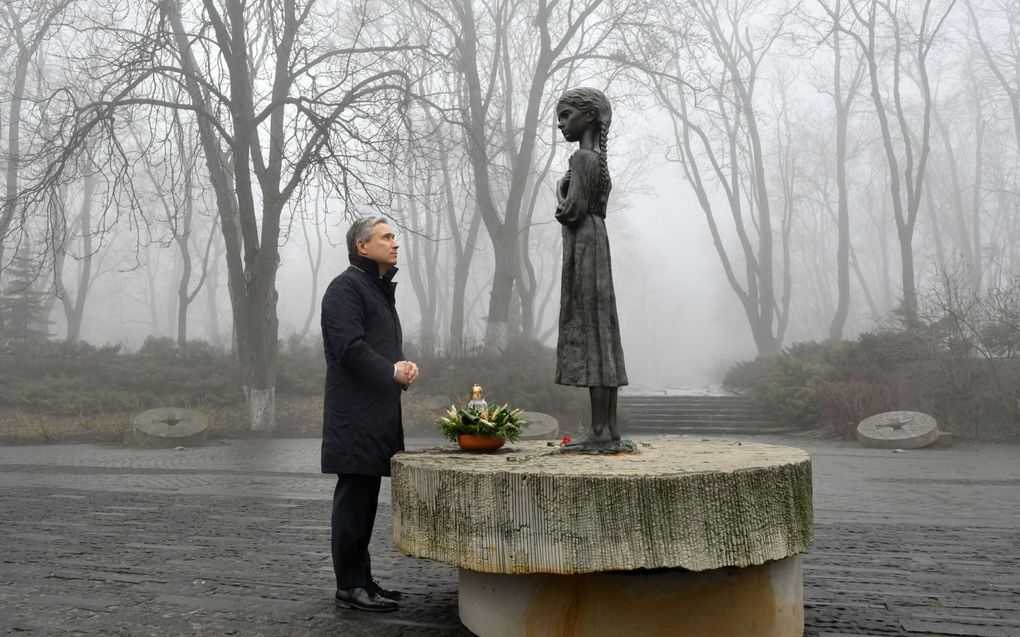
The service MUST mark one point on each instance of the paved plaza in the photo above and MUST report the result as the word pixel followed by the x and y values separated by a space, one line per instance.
pixel 233 539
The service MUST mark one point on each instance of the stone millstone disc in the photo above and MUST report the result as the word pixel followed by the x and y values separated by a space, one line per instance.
pixel 540 426
pixel 898 430
pixel 674 504
pixel 170 427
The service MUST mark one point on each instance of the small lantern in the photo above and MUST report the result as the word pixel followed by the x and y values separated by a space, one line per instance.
pixel 477 401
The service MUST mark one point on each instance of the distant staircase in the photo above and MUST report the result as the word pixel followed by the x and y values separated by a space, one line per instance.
pixel 696 415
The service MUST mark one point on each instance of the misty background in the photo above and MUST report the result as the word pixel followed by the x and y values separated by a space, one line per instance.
pixel 782 171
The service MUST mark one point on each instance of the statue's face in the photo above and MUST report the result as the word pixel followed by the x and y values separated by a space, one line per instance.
pixel 572 121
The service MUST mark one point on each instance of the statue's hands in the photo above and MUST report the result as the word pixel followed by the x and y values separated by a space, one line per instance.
pixel 406 372
pixel 562 187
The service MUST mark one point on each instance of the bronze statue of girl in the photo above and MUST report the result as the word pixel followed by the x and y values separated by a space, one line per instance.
pixel 588 353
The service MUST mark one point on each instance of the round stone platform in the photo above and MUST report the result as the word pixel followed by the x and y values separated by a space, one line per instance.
pixel 675 504
pixel 719 524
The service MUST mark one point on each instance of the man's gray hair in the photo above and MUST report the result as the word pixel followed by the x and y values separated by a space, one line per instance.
pixel 361 230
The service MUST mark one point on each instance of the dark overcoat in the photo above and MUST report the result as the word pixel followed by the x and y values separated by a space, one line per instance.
pixel 588 351
pixel 361 426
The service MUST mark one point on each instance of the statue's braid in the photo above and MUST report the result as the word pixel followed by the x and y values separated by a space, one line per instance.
pixel 603 153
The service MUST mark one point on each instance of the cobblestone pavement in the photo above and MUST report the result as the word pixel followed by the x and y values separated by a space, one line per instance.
pixel 233 539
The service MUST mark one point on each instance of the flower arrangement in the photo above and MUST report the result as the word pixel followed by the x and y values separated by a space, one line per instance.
pixel 498 421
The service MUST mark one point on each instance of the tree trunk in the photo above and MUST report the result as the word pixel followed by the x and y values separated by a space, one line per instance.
pixel 257 337
pixel 251 263
pixel 74 310
pixel 909 306
pixel 463 253
pixel 963 242
pixel 13 148
pixel 211 296
pixel 862 281
pixel 74 318
pixel 843 206
pixel 421 247
pixel 314 263
pixel 497 331
pixel 979 135
pixel 936 230
pixel 152 296
pixel 183 297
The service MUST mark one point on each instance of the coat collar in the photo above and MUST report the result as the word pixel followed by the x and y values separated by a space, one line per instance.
pixel 370 267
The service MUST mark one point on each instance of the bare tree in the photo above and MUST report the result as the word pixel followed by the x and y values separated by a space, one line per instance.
pixel 279 90
pixel 314 257
pixel 74 309
pixel 509 56
pixel 1003 60
pixel 995 33
pixel 843 96
pixel 464 228
pixel 29 24
pixel 422 243
pixel 719 145
pixel 174 180
pixel 900 140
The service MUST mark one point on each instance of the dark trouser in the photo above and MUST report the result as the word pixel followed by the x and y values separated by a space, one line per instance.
pixel 354 503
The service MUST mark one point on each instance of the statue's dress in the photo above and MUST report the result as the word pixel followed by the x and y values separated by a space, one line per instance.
pixel 588 353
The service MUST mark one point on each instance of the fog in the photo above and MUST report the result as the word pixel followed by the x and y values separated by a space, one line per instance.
pixel 725 116
pixel 818 199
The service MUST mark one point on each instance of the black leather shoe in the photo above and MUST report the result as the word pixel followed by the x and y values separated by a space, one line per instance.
pixel 382 592
pixel 363 599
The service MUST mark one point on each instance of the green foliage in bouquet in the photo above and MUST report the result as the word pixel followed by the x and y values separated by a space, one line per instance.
pixel 498 421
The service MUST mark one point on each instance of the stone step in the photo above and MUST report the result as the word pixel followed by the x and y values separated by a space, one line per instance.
pixel 698 404
pixel 666 410
pixel 707 400
pixel 693 415
pixel 705 430
pixel 673 422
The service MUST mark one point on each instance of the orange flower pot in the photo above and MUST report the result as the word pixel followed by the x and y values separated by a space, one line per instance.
pixel 478 442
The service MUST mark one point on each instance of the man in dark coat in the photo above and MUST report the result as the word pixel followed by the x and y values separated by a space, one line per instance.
pixel 361 429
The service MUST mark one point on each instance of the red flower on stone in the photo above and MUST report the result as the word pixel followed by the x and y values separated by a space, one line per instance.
pixel 566 440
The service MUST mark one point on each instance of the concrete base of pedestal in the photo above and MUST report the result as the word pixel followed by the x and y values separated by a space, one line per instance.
pixel 756 601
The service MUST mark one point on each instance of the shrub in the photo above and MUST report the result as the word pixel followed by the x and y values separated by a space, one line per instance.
pixel 161 347
pixel 79 379
pixel 887 349
pixel 523 375
pixel 301 367
pixel 791 392
pixel 750 375
pixel 199 349
pixel 825 382
pixel 844 404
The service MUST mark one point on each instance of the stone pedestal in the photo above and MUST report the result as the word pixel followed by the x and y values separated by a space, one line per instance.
pixel 712 526
pixel 756 601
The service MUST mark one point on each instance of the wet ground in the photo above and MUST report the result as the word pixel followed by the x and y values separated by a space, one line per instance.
pixel 233 539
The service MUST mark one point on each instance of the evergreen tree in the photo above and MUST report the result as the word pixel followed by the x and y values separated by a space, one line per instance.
pixel 23 312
